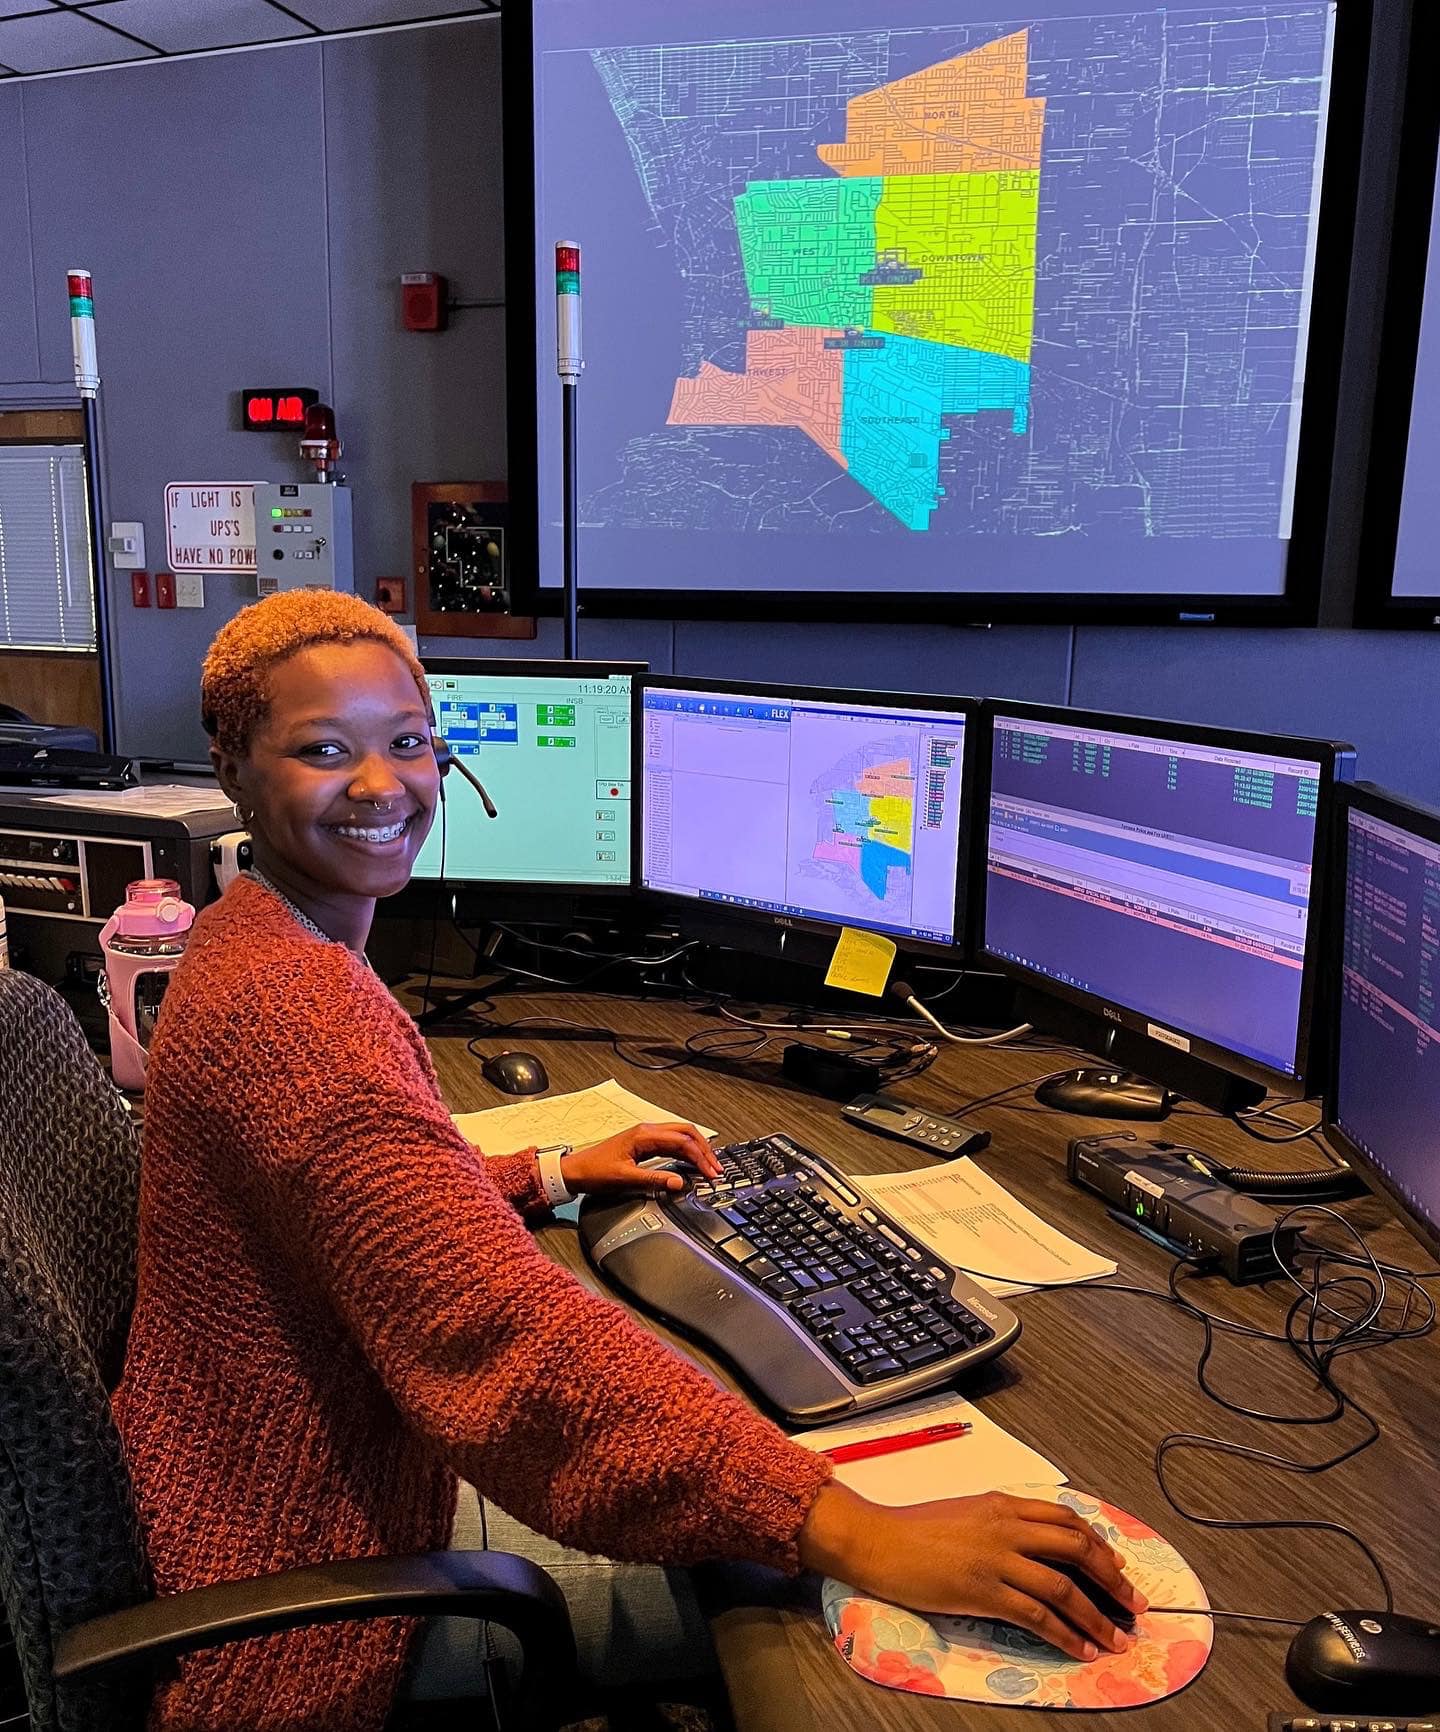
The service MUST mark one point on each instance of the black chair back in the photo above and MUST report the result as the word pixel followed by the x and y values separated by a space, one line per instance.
pixel 70 1545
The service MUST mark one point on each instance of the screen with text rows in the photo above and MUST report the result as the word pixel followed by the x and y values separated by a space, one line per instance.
pixel 1387 1076
pixel 1167 878
pixel 842 812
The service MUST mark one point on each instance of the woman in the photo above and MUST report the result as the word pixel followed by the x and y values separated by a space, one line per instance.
pixel 340 1309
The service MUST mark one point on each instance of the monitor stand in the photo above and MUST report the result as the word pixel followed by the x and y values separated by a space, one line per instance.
pixel 1101 1093
pixel 1133 1057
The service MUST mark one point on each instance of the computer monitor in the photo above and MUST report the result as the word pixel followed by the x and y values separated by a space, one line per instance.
pixel 1382 1108
pixel 778 813
pixel 551 743
pixel 1157 885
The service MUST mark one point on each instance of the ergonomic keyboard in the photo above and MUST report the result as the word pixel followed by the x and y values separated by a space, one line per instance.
pixel 823 1303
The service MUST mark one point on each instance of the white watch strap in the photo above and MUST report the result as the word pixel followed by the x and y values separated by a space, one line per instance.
pixel 551 1181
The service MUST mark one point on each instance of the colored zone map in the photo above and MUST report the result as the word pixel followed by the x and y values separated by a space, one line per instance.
pixel 866 824
pixel 901 290
pixel 1029 278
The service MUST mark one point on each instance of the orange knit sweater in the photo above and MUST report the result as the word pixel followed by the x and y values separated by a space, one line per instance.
pixel 340 1309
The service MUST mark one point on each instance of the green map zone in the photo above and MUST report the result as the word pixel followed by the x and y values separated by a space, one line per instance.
pixel 899 287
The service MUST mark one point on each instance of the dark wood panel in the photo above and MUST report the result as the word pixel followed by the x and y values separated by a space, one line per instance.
pixel 59 687
pixel 49 424
pixel 1094 1382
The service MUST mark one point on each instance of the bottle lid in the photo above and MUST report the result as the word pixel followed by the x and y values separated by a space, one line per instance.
pixel 153 908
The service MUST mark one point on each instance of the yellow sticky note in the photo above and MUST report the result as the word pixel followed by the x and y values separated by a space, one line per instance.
pixel 861 962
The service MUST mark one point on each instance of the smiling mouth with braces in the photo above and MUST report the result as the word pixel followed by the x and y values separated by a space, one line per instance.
pixel 372 833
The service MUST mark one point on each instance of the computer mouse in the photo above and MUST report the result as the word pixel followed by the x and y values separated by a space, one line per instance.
pixel 1102 1599
pixel 1366 1663
pixel 1105 1094
pixel 515 1073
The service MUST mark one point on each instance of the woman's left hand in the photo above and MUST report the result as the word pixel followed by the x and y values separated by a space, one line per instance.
pixel 614 1165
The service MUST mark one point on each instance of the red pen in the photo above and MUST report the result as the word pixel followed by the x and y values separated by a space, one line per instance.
pixel 902 1440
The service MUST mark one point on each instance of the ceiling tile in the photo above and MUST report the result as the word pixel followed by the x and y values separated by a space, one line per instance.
pixel 179 26
pixel 57 40
pixel 356 14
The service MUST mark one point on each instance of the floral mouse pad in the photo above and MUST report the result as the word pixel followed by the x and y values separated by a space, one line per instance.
pixel 977 1660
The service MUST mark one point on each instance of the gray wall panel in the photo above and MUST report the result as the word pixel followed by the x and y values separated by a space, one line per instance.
pixel 1003 660
pixel 202 217
pixel 19 346
pixel 412 168
pixel 1380 690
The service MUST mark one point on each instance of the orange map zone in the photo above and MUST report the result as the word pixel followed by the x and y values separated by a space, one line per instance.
pixel 895 780
pixel 790 380
pixel 968 115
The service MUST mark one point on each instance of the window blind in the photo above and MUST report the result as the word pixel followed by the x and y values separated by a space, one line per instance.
pixel 46 594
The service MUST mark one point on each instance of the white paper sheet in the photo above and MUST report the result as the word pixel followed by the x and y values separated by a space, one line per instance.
pixel 154 800
pixel 974 1223
pixel 587 1116
pixel 962 1467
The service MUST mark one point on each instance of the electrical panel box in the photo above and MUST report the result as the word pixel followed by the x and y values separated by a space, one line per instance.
pixel 303 538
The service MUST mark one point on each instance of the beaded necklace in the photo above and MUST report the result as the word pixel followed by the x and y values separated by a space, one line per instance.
pixel 301 916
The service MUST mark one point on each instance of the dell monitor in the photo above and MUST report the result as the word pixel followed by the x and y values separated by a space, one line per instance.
pixel 778 814
pixel 551 743
pixel 1382 1109
pixel 1155 886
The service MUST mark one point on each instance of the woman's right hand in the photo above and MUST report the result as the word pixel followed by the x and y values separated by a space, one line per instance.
pixel 978 1557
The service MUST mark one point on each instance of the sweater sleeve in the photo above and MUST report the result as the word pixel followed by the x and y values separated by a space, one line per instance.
pixel 550 1400
pixel 517 1178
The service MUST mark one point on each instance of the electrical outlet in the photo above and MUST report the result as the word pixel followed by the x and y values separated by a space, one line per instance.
pixel 189 589
pixel 140 588
pixel 164 589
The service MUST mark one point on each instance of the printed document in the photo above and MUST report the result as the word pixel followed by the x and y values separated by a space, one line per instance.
pixel 974 1223
pixel 587 1116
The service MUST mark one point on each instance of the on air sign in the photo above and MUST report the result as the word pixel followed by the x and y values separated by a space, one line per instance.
pixel 210 525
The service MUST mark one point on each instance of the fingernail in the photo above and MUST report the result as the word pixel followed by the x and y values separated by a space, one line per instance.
pixel 1137 1601
pixel 1090 1651
pixel 1127 1641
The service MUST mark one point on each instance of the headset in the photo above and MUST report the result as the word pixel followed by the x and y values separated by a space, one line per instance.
pixel 446 761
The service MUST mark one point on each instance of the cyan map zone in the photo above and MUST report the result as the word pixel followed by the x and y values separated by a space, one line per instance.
pixel 1006 278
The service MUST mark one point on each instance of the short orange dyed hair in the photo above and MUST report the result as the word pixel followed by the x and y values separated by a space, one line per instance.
pixel 234 695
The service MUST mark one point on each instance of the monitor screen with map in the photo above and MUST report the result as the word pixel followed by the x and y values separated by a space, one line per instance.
pixel 979 310
pixel 794 808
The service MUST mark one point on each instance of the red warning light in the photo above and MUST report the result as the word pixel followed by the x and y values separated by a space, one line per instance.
pixel 567 258
pixel 260 411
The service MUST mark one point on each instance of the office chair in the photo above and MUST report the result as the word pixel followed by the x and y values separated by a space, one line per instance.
pixel 74 1581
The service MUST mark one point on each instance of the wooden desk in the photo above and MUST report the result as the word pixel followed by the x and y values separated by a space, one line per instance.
pixel 1095 1380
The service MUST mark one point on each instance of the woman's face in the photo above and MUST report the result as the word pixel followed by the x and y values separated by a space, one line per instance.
pixel 340 776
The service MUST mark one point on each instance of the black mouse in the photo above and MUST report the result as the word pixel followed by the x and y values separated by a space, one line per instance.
pixel 515 1073
pixel 1105 1094
pixel 1366 1663
pixel 1102 1599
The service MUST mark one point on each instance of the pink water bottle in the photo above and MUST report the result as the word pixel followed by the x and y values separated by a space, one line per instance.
pixel 143 942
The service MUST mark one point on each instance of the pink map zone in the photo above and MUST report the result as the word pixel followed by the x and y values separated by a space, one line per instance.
pixel 790 380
